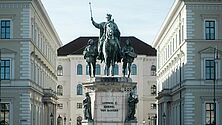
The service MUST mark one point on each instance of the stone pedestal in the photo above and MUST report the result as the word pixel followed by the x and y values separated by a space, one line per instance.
pixel 109 100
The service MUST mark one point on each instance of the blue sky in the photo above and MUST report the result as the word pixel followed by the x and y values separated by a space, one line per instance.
pixel 139 18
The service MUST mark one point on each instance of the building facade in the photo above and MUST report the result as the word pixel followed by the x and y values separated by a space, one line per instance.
pixel 28 53
pixel 189 47
pixel 72 71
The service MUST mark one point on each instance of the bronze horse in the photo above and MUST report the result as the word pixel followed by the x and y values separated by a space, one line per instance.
pixel 110 49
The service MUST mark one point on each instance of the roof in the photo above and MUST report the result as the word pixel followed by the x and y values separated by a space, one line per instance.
pixel 77 46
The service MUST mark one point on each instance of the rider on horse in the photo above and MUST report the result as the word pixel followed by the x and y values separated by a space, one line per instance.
pixel 103 26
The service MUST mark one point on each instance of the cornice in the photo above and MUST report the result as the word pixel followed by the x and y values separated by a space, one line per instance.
pixel 38 6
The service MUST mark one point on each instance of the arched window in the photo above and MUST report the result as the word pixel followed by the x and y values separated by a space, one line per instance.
pixel 79 89
pixel 98 69
pixel 153 70
pixel 59 90
pixel 59 120
pixel 79 69
pixel 87 69
pixel 59 70
pixel 153 90
pixel 79 120
pixel 134 69
pixel 116 70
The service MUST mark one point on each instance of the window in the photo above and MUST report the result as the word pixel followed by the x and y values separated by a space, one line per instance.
pixel 153 70
pixel 79 105
pixel 79 89
pixel 210 30
pixel 128 89
pixel 116 70
pixel 60 106
pixel 134 69
pixel 153 106
pixel 5 69
pixel 209 113
pixel 59 120
pixel 179 37
pixel 5 29
pixel 59 90
pixel 209 69
pixel 4 113
pixel 79 69
pixel 79 120
pixel 59 70
pixel 153 90
pixel 97 69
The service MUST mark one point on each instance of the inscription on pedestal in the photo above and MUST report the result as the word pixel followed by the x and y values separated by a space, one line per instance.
pixel 109 107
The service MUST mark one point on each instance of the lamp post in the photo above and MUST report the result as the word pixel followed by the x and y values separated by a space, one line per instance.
pixel 155 118
pixel 144 122
pixel 215 58
pixel 0 74
pixel 64 120
pixel 70 121
pixel 149 120
pixel 51 116
pixel 4 105
pixel 164 118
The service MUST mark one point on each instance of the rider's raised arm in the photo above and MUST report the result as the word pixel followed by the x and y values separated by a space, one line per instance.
pixel 97 25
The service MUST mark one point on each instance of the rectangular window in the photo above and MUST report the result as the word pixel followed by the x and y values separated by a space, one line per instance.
pixel 209 113
pixel 79 105
pixel 209 69
pixel 210 30
pixel 60 106
pixel 5 29
pixel 5 69
pixel 153 106
pixel 4 113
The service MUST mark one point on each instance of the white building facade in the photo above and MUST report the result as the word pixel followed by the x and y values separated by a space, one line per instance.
pixel 189 49
pixel 72 72
pixel 28 53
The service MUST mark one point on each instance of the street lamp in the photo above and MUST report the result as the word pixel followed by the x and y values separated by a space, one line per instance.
pixel 51 116
pixel 64 120
pixel 0 75
pixel 155 117
pixel 70 121
pixel 164 118
pixel 215 58
pixel 144 122
pixel 149 120
pixel 1 82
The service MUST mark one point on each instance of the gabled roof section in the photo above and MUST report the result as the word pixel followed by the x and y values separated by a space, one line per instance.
pixel 77 46
pixel 7 51
pixel 210 50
